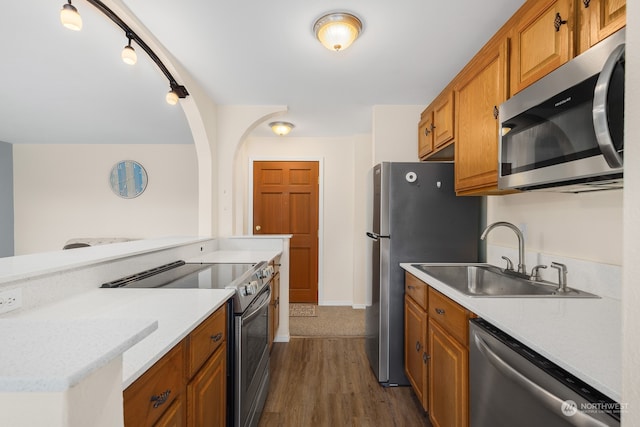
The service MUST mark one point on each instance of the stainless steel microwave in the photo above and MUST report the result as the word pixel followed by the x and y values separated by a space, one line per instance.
pixel 566 131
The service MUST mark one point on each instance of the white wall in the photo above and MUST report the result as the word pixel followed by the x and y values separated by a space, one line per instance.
pixel 63 192
pixel 631 272
pixel 586 226
pixel 6 199
pixel 395 133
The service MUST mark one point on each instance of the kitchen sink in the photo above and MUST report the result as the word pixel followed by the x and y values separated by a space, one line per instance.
pixel 486 280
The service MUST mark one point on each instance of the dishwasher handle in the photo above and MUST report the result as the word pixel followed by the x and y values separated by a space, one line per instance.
pixel 547 398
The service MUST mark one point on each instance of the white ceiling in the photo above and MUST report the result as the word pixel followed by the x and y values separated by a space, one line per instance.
pixel 61 86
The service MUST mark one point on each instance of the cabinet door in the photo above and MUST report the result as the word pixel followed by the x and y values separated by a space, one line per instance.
pixel 481 89
pixel 174 416
pixel 206 393
pixel 606 17
pixel 443 120
pixel 415 351
pixel 425 135
pixel 274 309
pixel 542 41
pixel 448 379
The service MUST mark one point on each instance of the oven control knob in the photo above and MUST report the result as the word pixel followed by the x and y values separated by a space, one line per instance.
pixel 251 288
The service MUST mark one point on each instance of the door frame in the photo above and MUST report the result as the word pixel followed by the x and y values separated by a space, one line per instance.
pixel 320 161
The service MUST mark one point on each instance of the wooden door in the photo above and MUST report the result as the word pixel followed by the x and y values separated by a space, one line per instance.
pixel 448 379
pixel 285 201
pixel 425 135
pixel 482 88
pixel 415 350
pixel 207 393
pixel 542 41
pixel 443 120
pixel 607 17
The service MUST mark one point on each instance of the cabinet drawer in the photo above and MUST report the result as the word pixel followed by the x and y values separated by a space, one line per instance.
pixel 450 315
pixel 416 289
pixel 149 397
pixel 206 339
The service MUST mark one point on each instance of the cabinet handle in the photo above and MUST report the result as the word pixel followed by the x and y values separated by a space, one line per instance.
pixel 440 311
pixel 433 126
pixel 411 287
pixel 161 398
pixel 586 3
pixel 558 22
pixel 426 132
pixel 425 357
pixel 495 112
pixel 217 337
pixel 418 346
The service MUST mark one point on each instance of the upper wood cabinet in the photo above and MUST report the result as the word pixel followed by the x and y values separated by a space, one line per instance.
pixel 436 129
pixel 598 19
pixel 481 88
pixel 541 41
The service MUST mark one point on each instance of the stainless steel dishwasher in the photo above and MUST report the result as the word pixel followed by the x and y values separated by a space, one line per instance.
pixel 512 385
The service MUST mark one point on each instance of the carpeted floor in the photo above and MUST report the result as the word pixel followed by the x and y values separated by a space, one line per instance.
pixel 329 321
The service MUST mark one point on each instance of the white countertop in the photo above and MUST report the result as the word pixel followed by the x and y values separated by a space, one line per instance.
pixel 57 344
pixel 176 311
pixel 583 336
pixel 55 355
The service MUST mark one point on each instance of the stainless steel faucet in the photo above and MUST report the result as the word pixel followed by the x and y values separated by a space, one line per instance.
pixel 522 269
pixel 562 276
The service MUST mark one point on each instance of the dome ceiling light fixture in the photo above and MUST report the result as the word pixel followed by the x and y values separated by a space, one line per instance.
pixel 337 30
pixel 281 128
pixel 71 19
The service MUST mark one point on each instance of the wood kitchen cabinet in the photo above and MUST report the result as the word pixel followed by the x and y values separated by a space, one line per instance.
pixel 415 337
pixel 437 353
pixel 481 88
pixel 598 19
pixel 541 41
pixel 274 305
pixel 448 340
pixel 188 385
pixel 436 129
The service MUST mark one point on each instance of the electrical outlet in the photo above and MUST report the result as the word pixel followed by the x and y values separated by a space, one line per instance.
pixel 10 300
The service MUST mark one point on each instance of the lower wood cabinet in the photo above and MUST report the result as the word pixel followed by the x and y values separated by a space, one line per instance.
pixel 188 385
pixel 449 379
pixel 437 353
pixel 206 397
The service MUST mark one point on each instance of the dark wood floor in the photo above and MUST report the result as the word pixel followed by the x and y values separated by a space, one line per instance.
pixel 328 382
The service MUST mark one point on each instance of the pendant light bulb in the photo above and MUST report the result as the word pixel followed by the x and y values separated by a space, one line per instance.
pixel 70 18
pixel 129 55
pixel 172 97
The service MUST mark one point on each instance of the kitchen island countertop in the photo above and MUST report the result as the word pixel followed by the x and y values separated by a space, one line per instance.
pixel 581 335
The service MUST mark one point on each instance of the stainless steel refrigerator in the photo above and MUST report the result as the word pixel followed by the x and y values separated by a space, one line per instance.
pixel 416 218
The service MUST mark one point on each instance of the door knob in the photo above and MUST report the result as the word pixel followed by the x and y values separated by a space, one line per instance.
pixel 258 228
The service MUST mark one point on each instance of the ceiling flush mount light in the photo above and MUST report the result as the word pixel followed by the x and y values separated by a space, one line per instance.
pixel 336 31
pixel 70 17
pixel 129 55
pixel 281 128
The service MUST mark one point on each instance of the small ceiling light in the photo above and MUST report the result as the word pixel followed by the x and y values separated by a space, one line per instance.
pixel 172 97
pixel 281 128
pixel 336 31
pixel 70 17
pixel 129 55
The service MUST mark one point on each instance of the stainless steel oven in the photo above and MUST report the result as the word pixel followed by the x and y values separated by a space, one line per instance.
pixel 248 373
pixel 252 357
pixel 566 131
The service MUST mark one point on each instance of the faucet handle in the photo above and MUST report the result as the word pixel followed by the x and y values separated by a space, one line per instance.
pixel 535 273
pixel 509 263
pixel 562 275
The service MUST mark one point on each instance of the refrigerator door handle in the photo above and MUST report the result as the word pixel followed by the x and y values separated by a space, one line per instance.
pixel 376 236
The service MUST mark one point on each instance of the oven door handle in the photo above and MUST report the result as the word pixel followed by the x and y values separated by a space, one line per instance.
pixel 544 396
pixel 261 302
pixel 600 118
